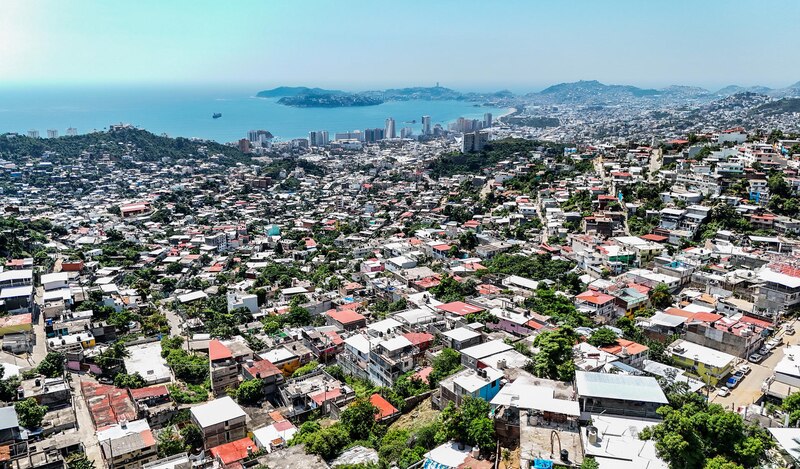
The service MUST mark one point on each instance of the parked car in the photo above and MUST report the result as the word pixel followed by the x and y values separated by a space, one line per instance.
pixel 744 368
pixel 790 330
pixel 723 391
pixel 738 374
pixel 756 357
pixel 732 382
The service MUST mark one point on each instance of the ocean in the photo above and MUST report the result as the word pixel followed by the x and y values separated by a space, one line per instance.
pixel 187 112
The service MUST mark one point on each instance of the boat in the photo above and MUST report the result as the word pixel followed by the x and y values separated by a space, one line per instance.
pixel 217 115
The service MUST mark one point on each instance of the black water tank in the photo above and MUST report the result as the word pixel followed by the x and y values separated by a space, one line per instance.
pixel 564 455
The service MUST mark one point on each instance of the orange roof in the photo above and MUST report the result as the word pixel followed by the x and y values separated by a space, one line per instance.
pixel 631 347
pixel 417 338
pixel 594 297
pixel 218 351
pixel 345 316
pixel 234 451
pixel 385 408
pixel 277 416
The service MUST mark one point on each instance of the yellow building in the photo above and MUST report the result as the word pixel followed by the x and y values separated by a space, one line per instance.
pixel 708 365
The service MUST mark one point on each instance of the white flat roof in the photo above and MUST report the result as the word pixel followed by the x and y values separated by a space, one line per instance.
pixel 217 411
pixel 623 387
pixel 768 275
pixel 16 292
pixel 706 355
pixel 461 334
pixel 486 349
pixel 9 275
pixel 195 295
pixel 278 355
pixel 788 439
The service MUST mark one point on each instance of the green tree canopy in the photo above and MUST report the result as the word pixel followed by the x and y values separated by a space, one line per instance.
pixel 30 413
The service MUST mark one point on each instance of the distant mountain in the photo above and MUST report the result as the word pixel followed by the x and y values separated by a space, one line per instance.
pixel 735 89
pixel 591 91
pixel 788 92
pixel 283 91
pixel 329 100
pixel 780 106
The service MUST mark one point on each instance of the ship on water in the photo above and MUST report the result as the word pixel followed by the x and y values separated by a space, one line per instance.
pixel 217 115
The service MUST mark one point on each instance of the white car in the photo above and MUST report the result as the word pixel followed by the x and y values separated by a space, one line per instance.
pixel 744 368
pixel 755 358
pixel 723 391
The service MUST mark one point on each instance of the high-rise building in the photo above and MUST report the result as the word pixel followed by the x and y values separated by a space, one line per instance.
pixel 33 133
pixel 313 138
pixel 318 138
pixel 259 136
pixel 373 135
pixel 72 131
pixel 487 120
pixel 324 136
pixel 406 132
pixel 390 132
pixel 474 141
pixel 52 133
pixel 244 145
pixel 426 125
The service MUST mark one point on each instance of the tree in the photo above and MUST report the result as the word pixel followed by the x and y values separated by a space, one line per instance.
pixel 719 462
pixel 447 362
pixel 358 419
pixel 250 391
pixel 192 436
pixel 52 366
pixel 79 461
pixel 603 337
pixel 134 381
pixel 590 463
pixel 327 442
pixel 170 443
pixel 791 405
pixel 660 296
pixel 555 359
pixel 30 413
pixel 693 434
pixel 450 289
pixel 469 423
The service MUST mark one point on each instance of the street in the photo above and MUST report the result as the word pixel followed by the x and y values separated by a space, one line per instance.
pixel 748 390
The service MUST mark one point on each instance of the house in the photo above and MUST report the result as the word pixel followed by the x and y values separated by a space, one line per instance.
pixel 709 365
pixel 270 375
pixel 461 338
pixel 596 304
pixel 229 455
pixel 471 357
pixel 613 441
pixel 127 445
pixel 274 436
pixel 220 421
pixel 618 394
pixel 628 352
pixel 224 369
pixel 459 308
pixel 11 434
pixel 483 383
pixel 146 360
pixel 390 358
pixel 346 319
pixel 154 404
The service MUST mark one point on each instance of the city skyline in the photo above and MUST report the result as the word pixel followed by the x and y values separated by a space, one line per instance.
pixel 464 45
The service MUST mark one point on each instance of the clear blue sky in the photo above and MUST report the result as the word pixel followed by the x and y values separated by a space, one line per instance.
pixel 360 44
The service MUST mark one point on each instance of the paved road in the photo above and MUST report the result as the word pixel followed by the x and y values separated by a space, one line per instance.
pixel 749 389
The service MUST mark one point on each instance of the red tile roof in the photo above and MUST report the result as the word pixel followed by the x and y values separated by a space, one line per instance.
pixel 234 451
pixel 418 338
pixel 594 297
pixel 385 408
pixel 324 396
pixel 345 316
pixel 218 351
pixel 423 374
pixel 631 347
pixel 263 369
pixel 146 393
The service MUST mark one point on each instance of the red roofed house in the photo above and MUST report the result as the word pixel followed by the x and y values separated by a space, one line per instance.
pixel 346 319
pixel 459 308
pixel 420 340
pixel 386 410
pixel 230 454
pixel 628 352
pixel 224 369
pixel 270 375
pixel 596 303
pixel 154 403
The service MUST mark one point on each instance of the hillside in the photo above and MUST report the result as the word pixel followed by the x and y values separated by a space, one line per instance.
pixel 140 144
pixel 284 91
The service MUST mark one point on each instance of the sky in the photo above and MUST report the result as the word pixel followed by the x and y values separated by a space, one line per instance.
pixel 522 45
